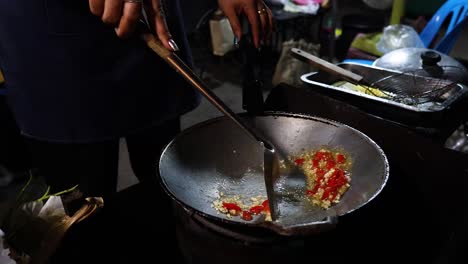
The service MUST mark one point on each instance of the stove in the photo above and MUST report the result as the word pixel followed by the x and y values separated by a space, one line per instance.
pixel 206 241
pixel 382 228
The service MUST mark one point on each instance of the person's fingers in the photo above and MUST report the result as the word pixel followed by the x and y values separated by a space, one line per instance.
pixel 252 16
pixel 130 15
pixel 234 21
pixel 266 21
pixel 96 7
pixel 269 29
pixel 263 18
pixel 157 19
pixel 112 12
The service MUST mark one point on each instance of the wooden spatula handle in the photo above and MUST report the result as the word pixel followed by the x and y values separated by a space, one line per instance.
pixel 156 45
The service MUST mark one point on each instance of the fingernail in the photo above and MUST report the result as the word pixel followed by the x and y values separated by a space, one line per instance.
pixel 236 42
pixel 173 45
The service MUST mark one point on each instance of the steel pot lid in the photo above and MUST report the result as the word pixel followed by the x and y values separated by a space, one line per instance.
pixel 424 62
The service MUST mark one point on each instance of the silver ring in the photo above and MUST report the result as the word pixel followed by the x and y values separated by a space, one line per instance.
pixel 133 1
pixel 261 11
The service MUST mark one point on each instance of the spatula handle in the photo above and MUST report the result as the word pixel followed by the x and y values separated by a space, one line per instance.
pixel 326 66
pixel 181 68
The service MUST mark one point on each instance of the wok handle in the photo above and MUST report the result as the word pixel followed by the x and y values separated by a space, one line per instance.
pixel 180 67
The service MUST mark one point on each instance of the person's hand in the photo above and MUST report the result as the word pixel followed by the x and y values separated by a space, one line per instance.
pixel 124 15
pixel 258 14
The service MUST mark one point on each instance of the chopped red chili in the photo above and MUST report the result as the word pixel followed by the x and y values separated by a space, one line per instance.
pixel 247 216
pixel 340 158
pixel 232 206
pixel 330 164
pixel 256 209
pixel 266 206
pixel 299 162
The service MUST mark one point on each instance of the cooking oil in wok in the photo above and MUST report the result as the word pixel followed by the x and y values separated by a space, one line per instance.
pixel 249 185
pixel 290 190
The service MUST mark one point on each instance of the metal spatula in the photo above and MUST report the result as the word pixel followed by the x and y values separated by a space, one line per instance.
pixel 271 160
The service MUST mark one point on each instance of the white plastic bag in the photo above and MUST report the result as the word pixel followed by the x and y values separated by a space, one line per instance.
pixel 397 37
pixel 4 251
pixel 288 69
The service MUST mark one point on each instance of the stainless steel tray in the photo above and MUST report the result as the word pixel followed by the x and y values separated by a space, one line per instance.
pixel 322 79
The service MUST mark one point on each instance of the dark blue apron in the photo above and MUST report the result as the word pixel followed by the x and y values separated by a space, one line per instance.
pixel 71 79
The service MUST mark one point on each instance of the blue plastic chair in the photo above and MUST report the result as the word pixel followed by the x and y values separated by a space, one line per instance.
pixel 457 10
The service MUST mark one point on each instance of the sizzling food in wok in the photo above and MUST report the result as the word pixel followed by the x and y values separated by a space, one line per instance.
pixel 327 179
pixel 246 209
pixel 327 175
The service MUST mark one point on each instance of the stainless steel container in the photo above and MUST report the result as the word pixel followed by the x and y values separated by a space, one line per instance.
pixel 327 82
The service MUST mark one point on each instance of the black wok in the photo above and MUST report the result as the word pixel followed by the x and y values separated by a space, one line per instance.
pixel 216 157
